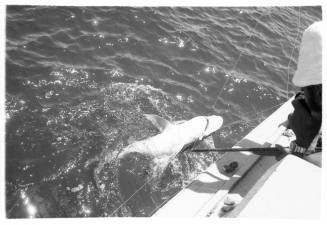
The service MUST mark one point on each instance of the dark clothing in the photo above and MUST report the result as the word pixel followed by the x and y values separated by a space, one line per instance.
pixel 304 121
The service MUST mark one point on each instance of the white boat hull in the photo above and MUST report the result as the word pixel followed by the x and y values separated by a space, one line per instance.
pixel 206 194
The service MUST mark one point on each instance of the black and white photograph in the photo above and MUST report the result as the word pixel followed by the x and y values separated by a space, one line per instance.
pixel 163 111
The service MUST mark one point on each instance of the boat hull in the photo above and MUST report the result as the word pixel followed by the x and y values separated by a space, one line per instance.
pixel 206 195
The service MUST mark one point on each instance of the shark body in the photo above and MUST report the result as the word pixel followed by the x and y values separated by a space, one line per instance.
pixel 143 163
pixel 174 136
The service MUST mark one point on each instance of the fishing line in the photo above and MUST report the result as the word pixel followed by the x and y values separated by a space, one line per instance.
pixel 259 112
pixel 234 66
pixel 196 174
pixel 264 110
pixel 161 204
pixel 172 157
pixel 288 73
pixel 147 182
pixel 130 197
pixel 288 70
pixel 238 59
pixel 294 43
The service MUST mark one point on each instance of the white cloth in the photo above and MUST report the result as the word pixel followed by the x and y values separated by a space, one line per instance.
pixel 309 64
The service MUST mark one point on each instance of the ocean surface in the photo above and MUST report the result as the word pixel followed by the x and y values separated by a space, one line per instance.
pixel 79 79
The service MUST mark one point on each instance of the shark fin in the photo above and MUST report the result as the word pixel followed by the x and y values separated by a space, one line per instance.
pixel 158 121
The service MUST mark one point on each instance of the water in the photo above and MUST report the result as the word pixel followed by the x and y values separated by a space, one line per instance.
pixel 79 79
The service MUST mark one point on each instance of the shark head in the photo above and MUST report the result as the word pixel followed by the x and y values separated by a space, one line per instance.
pixel 200 127
pixel 213 124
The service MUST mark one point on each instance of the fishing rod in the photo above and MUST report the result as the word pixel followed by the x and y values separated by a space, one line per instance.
pixel 267 151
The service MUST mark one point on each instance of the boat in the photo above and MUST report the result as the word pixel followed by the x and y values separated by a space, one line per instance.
pixel 258 187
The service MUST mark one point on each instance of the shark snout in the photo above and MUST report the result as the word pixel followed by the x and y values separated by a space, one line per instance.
pixel 213 124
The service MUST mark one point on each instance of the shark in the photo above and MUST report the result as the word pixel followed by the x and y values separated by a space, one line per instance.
pixel 143 165
pixel 173 136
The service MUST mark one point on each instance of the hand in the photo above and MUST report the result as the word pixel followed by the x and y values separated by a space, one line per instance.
pixel 284 124
pixel 283 151
pixel 283 144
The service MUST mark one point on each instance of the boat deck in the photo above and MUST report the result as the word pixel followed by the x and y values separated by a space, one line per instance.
pixel 206 194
